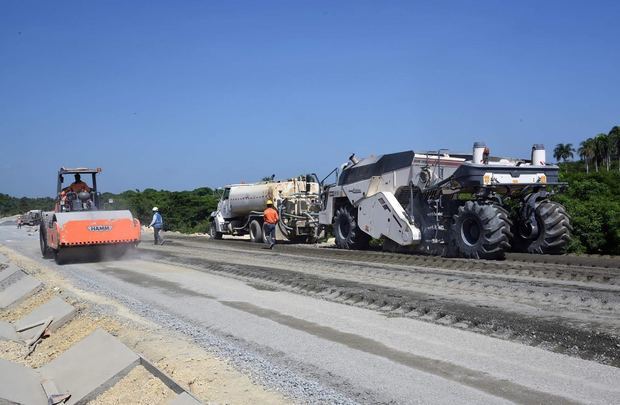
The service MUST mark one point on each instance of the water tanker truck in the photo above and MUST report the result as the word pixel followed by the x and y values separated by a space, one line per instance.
pixel 240 209
pixel 451 204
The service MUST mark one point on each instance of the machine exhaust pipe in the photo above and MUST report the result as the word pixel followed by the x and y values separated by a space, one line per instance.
pixel 538 155
pixel 353 159
pixel 478 155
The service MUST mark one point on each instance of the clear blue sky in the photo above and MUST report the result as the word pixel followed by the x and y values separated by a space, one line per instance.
pixel 179 95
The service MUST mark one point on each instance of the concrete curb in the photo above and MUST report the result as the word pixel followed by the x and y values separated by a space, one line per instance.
pixel 8 272
pixel 84 371
pixel 56 308
pixel 19 291
pixel 184 399
pixel 182 395
pixel 7 331
pixel 20 385
pixel 90 366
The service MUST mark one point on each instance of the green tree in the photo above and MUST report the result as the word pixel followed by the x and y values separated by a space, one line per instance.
pixel 563 151
pixel 614 136
pixel 593 202
pixel 586 152
pixel 602 150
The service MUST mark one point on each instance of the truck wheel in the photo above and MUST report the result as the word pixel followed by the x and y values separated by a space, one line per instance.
pixel 348 234
pixel 46 252
pixel 213 233
pixel 554 230
pixel 256 232
pixel 481 231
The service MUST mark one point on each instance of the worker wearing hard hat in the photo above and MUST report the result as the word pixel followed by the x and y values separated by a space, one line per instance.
pixel 271 217
pixel 157 223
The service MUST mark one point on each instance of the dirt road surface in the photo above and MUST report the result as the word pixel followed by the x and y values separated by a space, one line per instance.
pixel 305 324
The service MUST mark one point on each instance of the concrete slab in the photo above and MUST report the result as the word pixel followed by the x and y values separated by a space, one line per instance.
pixel 90 366
pixel 56 308
pixel 7 331
pixel 184 399
pixel 18 291
pixel 20 385
pixel 8 272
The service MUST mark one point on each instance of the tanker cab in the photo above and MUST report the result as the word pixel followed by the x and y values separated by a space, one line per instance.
pixel 225 203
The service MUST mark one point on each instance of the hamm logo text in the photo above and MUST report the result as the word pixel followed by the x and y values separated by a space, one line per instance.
pixel 100 228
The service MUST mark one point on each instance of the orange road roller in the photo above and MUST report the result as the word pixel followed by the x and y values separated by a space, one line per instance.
pixel 78 229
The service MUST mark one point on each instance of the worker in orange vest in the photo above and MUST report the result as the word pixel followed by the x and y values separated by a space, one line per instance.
pixel 271 217
pixel 78 185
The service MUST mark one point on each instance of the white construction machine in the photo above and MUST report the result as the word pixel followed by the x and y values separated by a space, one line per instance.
pixel 450 204
pixel 240 209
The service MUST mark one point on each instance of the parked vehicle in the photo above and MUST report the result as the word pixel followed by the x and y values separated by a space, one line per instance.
pixel 32 218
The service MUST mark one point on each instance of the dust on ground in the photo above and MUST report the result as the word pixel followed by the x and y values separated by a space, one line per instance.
pixel 207 377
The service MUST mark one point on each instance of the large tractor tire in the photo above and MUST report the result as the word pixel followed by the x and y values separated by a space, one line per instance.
pixel 554 230
pixel 256 231
pixel 213 233
pixel 481 231
pixel 46 251
pixel 348 234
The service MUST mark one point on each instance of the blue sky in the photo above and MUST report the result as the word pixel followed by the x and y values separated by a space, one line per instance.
pixel 179 95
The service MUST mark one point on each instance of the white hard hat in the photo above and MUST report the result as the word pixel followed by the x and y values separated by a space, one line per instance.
pixel 155 209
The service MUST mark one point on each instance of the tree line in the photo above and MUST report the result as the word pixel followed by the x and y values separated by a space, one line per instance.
pixel 183 211
pixel 13 206
pixel 599 150
pixel 593 195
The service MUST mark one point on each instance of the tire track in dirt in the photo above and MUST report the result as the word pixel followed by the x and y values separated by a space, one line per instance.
pixel 552 330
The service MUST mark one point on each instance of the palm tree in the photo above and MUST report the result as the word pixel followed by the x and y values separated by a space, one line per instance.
pixel 610 149
pixel 614 136
pixel 563 151
pixel 601 149
pixel 586 152
pixel 558 151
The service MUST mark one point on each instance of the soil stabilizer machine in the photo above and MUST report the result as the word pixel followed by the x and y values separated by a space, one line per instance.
pixel 78 229
pixel 449 204
pixel 240 209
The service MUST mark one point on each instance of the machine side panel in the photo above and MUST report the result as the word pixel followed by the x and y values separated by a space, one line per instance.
pixel 386 163
pixel 382 215
pixel 473 175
